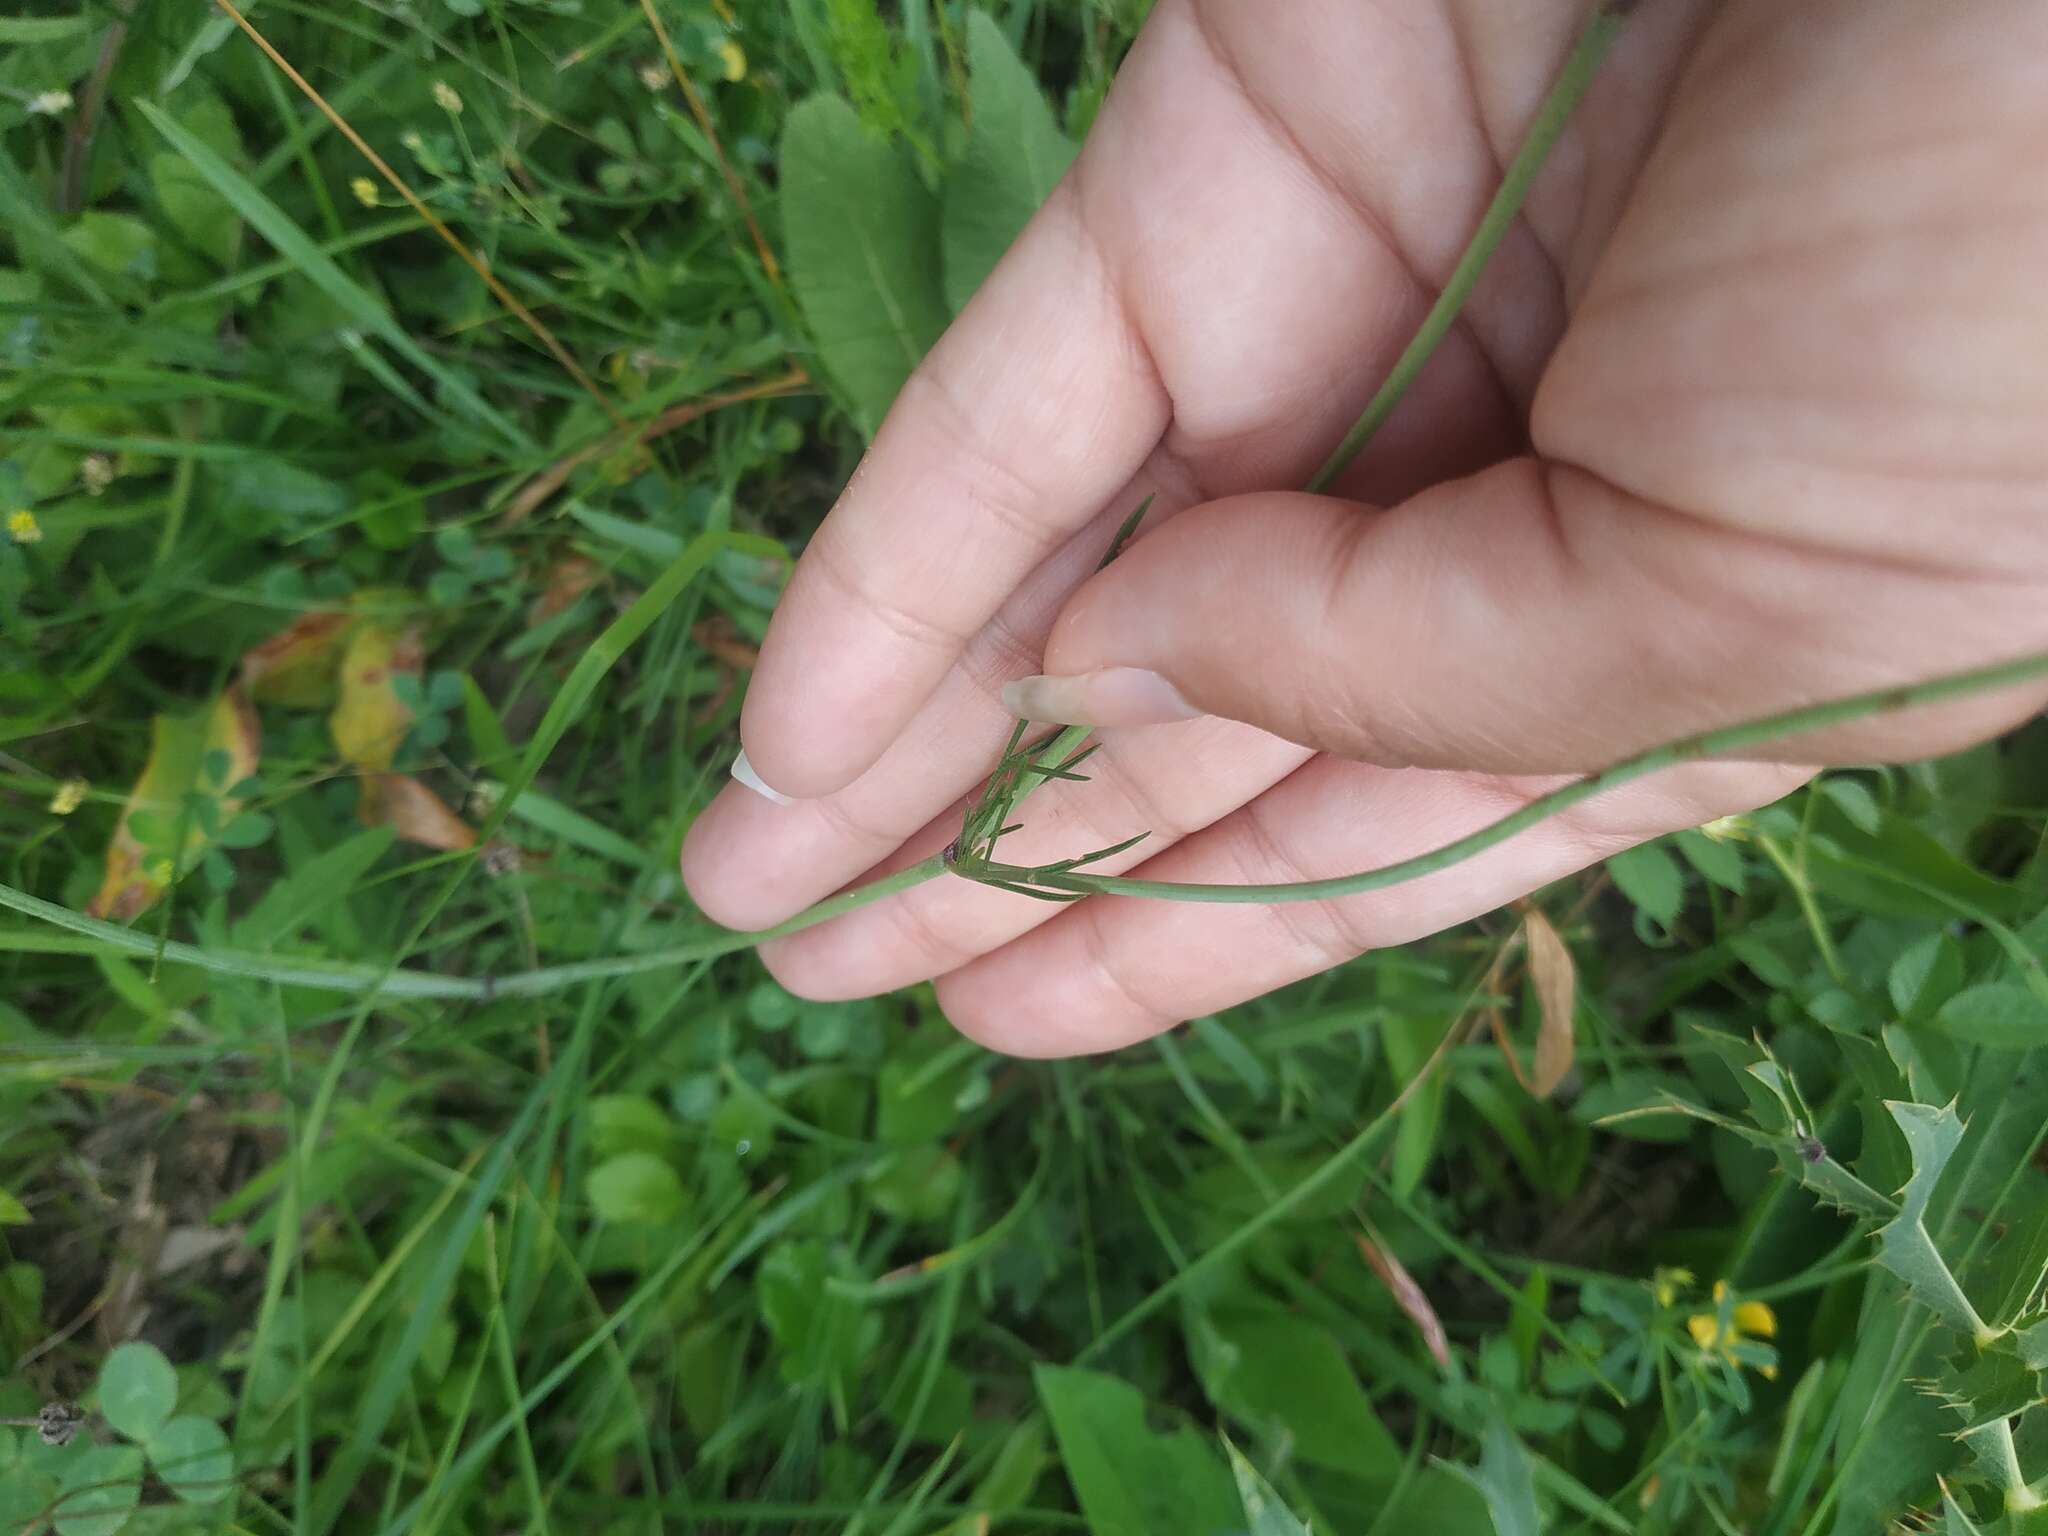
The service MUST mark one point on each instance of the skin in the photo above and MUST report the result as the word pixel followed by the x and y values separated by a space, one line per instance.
pixel 1747 412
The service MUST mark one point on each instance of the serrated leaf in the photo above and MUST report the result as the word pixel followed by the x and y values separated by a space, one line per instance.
pixel 1014 157
pixel 1904 1245
pixel 863 236
pixel 1992 1387
pixel 1265 1512
pixel 1129 1479
pixel 140 868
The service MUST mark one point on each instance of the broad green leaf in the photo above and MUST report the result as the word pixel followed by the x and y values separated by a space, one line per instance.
pixel 1265 1512
pixel 627 1122
pixel 195 209
pixel 822 1333
pixel 180 802
pixel 12 1212
pixel 99 1491
pixel 1997 1014
pixel 1650 878
pixel 191 1455
pixel 1015 155
pixel 1718 860
pixel 1925 976
pixel 636 1186
pixel 863 236
pixel 115 245
pixel 1504 1479
pixel 1277 1371
pixel 138 1389
pixel 1130 1479
pixel 1904 1245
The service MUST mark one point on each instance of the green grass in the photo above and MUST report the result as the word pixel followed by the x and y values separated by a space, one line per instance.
pixel 646 1244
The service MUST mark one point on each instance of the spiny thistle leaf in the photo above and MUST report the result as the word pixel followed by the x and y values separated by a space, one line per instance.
pixel 1904 1245
pixel 1989 1388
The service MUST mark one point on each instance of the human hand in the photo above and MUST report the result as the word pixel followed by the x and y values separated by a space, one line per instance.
pixel 1747 412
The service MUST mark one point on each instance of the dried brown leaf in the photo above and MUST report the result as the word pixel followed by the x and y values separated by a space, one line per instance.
pixel 1555 978
pixel 401 802
pixel 1407 1295
pixel 297 666
pixel 139 867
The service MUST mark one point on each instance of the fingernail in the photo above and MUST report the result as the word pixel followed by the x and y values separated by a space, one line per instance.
pixel 743 772
pixel 1113 696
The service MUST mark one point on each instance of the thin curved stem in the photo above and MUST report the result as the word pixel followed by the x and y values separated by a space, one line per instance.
pixel 1726 742
pixel 1579 68
pixel 359 979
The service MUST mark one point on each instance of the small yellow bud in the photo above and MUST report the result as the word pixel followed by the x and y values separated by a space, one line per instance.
pixel 69 797
pixel 447 98
pixel 365 191
pixel 734 58
pixel 1727 829
pixel 23 528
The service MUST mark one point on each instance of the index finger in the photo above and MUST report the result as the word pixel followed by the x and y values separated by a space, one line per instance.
pixel 1036 405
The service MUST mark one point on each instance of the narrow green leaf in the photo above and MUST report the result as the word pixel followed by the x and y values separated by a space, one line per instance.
pixel 1505 1481
pixel 1265 1512
pixel 320 269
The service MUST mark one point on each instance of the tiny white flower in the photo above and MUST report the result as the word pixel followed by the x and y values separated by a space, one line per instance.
pixel 447 98
pixel 49 104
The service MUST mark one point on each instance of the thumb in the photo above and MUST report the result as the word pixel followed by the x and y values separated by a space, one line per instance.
pixel 1528 619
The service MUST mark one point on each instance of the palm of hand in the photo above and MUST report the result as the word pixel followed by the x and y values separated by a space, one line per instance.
pixel 1767 303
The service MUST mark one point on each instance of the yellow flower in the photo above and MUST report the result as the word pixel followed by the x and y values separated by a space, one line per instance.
pixel 23 528
pixel 447 98
pixel 734 58
pixel 1748 1320
pixel 365 191
pixel 69 797
pixel 1667 1284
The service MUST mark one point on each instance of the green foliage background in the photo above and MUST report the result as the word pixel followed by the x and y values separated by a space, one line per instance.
pixel 672 1250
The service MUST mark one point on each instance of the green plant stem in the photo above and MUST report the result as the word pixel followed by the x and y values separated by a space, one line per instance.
pixel 1579 68
pixel 421 984
pixel 1728 741
pixel 356 979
